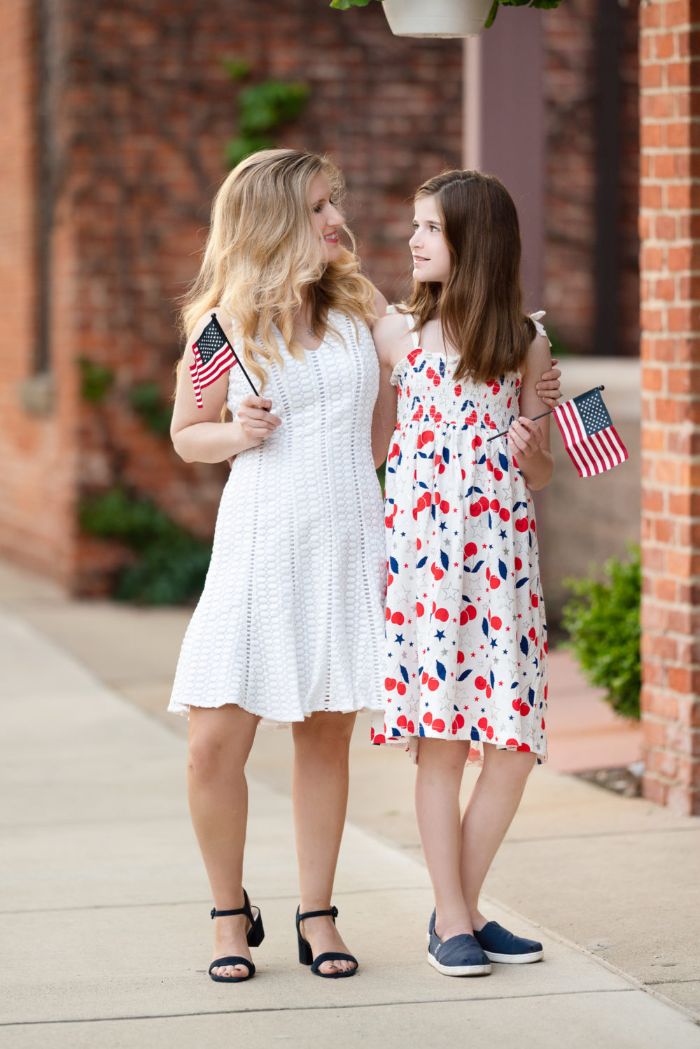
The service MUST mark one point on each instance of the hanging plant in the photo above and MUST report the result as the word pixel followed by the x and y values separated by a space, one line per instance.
pixel 441 18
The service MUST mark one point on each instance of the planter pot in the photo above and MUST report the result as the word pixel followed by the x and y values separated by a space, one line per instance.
pixel 443 18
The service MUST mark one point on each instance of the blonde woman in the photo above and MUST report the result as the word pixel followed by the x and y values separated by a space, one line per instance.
pixel 290 626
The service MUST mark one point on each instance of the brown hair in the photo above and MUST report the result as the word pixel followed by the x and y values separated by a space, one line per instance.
pixel 480 306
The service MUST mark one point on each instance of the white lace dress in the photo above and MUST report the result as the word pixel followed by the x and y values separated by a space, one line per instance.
pixel 291 617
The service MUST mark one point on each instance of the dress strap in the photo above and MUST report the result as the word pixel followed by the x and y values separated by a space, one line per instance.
pixel 536 319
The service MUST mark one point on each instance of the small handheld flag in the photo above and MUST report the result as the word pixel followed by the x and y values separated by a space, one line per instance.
pixel 590 438
pixel 213 357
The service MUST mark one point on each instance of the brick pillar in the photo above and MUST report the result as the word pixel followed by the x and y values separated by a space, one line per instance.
pixel 670 323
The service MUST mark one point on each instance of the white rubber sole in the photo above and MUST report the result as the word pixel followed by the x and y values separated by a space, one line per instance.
pixel 459 970
pixel 515 959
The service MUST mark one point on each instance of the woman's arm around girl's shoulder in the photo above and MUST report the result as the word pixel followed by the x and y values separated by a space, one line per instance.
pixel 529 439
pixel 198 433
pixel 392 340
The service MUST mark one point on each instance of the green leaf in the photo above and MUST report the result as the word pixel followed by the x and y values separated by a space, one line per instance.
pixel 345 5
pixel 96 380
pixel 237 68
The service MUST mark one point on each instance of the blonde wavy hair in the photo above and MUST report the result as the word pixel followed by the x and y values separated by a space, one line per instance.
pixel 263 258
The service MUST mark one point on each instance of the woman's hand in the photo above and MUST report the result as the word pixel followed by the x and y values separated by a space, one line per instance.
pixel 548 387
pixel 255 419
pixel 525 438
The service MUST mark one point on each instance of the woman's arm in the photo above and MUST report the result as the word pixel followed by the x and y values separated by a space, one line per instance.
pixel 392 341
pixel 529 440
pixel 199 436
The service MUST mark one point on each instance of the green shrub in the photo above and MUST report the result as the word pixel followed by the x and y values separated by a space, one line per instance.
pixel 170 563
pixel 603 621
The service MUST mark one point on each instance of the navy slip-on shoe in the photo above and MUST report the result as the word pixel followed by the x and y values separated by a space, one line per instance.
pixel 499 945
pixel 459 956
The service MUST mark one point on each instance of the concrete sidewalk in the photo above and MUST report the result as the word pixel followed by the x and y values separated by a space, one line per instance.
pixel 105 904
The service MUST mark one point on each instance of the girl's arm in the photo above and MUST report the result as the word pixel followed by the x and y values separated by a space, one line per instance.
pixel 529 440
pixel 391 339
pixel 199 436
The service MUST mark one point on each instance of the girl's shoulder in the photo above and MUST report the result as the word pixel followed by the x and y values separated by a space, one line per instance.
pixel 538 357
pixel 392 334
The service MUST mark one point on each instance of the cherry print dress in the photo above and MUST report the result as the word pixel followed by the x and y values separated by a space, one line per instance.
pixel 291 618
pixel 465 631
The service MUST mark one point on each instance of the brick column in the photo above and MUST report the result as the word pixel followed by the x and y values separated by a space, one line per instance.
pixel 670 323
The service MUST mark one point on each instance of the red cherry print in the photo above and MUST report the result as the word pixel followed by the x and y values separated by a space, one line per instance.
pixel 496 622
pixel 484 503
pixel 410 727
pixel 495 505
pixel 523 746
pixel 379 738
pixel 532 633
pixel 389 579
pixel 470 549
pixel 427 718
pixel 442 614
pixel 489 732
pixel 424 677
pixel 482 723
pixel 480 683
pixel 401 721
pixel 475 509
pixel 389 683
pixel 504 514
pixel 418 544
pixel 398 618
pixel 460 657
pixel 458 390
pixel 433 683
pixel 522 524
pixel 459 721
pixel 401 688
pixel 518 564
pixel 511 742
pixel 438 725
pixel 420 609
pixel 494 582
pixel 516 704
pixel 445 506
pixel 476 441
pixel 524 710
pixel 498 474
pixel 388 614
pixel 534 600
pixel 488 692
pixel 437 572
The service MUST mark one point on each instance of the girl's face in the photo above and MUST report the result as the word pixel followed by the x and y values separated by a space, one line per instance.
pixel 432 261
pixel 325 217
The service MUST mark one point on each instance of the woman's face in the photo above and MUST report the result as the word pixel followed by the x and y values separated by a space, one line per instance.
pixel 327 220
pixel 432 261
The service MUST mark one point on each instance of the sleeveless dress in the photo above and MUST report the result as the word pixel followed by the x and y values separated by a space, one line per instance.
pixel 291 617
pixel 465 631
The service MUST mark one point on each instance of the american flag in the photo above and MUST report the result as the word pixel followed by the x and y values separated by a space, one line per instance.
pixel 590 438
pixel 213 357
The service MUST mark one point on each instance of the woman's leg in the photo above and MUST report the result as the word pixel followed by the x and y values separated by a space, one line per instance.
pixel 219 744
pixel 439 775
pixel 320 793
pixel 491 808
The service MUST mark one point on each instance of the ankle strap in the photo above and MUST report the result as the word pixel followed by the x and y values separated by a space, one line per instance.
pixel 332 913
pixel 245 909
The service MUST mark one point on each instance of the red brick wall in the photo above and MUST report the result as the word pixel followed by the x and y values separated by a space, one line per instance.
pixel 36 450
pixel 670 319
pixel 142 110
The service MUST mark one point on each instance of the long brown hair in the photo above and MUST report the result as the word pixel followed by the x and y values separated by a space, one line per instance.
pixel 262 257
pixel 480 305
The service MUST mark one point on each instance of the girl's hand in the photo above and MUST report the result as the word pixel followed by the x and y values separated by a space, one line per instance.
pixel 525 437
pixel 548 387
pixel 255 419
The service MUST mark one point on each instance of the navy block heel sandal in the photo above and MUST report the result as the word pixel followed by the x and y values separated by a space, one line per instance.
pixel 306 954
pixel 254 936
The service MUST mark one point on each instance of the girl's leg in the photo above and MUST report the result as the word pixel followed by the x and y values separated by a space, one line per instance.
pixel 320 794
pixel 491 808
pixel 439 775
pixel 219 744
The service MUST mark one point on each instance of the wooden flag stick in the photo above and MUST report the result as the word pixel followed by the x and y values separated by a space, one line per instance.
pixel 540 416
pixel 240 362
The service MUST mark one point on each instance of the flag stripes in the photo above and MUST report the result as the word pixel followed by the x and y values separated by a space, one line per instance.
pixel 213 357
pixel 593 443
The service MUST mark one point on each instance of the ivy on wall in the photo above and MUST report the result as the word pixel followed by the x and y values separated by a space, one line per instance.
pixel 262 109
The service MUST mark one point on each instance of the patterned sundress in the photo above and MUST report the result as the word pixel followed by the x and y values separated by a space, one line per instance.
pixel 465 630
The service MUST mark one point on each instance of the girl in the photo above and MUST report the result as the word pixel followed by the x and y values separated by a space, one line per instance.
pixel 290 625
pixel 466 644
